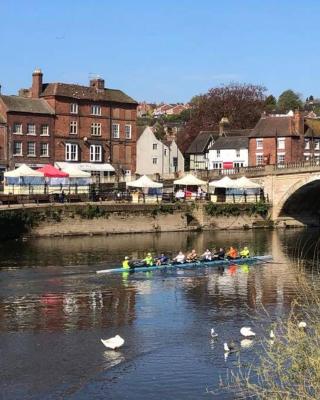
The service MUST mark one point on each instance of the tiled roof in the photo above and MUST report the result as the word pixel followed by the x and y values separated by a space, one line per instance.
pixel 313 126
pixel 230 142
pixel 274 126
pixel 26 105
pixel 201 142
pixel 85 92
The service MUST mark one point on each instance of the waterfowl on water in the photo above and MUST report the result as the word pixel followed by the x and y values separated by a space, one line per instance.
pixel 113 343
pixel 272 335
pixel 247 331
pixel 302 325
pixel 213 333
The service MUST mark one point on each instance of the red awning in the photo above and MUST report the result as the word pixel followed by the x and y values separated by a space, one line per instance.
pixel 227 165
pixel 51 172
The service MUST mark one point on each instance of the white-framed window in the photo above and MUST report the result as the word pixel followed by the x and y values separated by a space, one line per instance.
pixel 218 153
pixel 71 152
pixel 73 128
pixel 154 146
pixel 238 153
pixel 17 129
pixel 31 149
pixel 316 144
pixel 259 159
pixel 96 110
pixel 115 131
pixel 281 158
pixel 44 149
pixel 281 143
pixel 237 164
pixel 44 130
pixel 259 143
pixel 307 144
pixel 154 161
pixel 95 153
pixel 127 130
pixel 31 129
pixel 216 165
pixel 74 108
pixel 96 129
pixel 17 148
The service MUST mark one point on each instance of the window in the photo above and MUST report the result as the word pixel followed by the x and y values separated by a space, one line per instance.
pixel 259 143
pixel 165 152
pixel 154 146
pixel 95 129
pixel 307 144
pixel 44 130
pixel 31 149
pixel 71 152
pixel 154 161
pixel 31 129
pixel 237 164
pixel 17 129
pixel 44 149
pixel 17 148
pixel 73 127
pixel 216 165
pixel 281 159
pixel 127 172
pixel 115 131
pixel 95 153
pixel 218 153
pixel 281 143
pixel 259 159
pixel 317 144
pixel 237 153
pixel 74 108
pixel 127 130
pixel 95 110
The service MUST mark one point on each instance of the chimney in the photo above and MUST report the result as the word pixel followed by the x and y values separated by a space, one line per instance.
pixel 298 122
pixel 36 83
pixel 97 83
pixel 223 126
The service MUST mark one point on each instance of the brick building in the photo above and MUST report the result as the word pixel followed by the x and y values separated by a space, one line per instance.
pixel 279 139
pixel 91 126
pixel 26 132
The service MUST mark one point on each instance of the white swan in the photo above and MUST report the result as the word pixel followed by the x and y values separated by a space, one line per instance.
pixel 113 343
pixel 213 333
pixel 247 332
pixel 302 325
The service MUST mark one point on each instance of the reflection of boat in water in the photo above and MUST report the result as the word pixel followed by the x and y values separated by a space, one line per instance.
pixel 197 264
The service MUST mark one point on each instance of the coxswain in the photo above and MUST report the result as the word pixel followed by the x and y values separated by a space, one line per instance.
pixel 245 253
pixel 148 260
pixel 207 255
pixel 232 253
pixel 180 258
pixel 192 256
pixel 126 263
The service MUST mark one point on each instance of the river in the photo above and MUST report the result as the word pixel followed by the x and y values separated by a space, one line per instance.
pixel 54 309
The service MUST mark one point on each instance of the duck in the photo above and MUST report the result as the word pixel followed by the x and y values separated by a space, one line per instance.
pixel 213 333
pixel 247 331
pixel 113 343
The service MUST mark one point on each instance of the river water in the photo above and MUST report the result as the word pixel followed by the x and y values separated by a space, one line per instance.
pixel 54 309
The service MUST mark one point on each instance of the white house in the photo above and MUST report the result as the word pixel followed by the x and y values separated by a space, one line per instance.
pixel 228 152
pixel 157 157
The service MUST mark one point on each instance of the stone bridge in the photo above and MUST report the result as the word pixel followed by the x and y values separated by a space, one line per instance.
pixel 292 189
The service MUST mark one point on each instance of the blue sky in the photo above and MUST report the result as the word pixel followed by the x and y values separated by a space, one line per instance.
pixel 168 50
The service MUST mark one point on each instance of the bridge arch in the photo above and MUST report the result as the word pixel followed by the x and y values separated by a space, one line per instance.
pixel 301 201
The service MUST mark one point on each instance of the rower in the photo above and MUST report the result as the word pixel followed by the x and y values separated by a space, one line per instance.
pixel 148 260
pixel 245 253
pixel 207 255
pixel 192 256
pixel 163 259
pixel 180 258
pixel 125 263
pixel 232 253
pixel 220 254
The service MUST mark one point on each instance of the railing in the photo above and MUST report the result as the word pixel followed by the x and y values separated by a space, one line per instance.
pixel 297 164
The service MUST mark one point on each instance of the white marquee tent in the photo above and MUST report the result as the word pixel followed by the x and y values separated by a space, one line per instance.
pixel 144 182
pixel 245 183
pixel 224 182
pixel 189 180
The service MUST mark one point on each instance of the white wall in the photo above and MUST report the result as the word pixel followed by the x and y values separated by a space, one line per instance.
pixel 227 156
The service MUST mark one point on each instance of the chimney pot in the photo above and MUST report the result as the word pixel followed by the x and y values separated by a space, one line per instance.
pixel 97 83
pixel 36 83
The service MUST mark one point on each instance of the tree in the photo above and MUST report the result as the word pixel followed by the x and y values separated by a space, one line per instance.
pixel 289 100
pixel 242 104
pixel 270 104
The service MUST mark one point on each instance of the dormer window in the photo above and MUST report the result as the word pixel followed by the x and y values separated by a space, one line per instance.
pixel 96 110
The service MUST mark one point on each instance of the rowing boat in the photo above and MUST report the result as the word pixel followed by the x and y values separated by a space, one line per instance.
pixel 197 264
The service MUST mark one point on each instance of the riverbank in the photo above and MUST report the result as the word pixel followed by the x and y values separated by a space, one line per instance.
pixel 116 218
